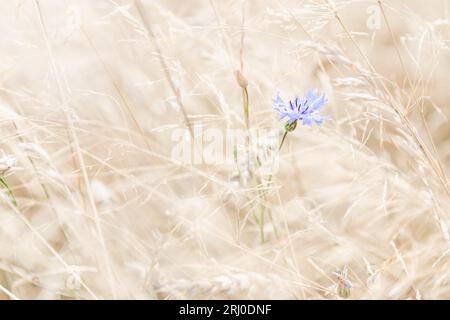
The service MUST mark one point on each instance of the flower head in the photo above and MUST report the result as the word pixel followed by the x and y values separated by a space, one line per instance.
pixel 306 109
pixel 344 285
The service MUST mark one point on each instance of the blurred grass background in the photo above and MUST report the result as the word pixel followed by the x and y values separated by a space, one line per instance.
pixel 91 93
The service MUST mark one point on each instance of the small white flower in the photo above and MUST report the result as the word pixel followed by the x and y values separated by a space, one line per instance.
pixel 7 162
pixel 100 191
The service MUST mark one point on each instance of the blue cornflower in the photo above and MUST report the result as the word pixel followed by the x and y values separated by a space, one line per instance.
pixel 306 109
pixel 344 285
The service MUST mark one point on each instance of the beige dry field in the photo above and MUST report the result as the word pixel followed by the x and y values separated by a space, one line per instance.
pixel 100 202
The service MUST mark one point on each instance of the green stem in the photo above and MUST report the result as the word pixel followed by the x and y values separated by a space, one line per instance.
pixel 245 95
pixel 9 192
pixel 269 180
pixel 282 140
